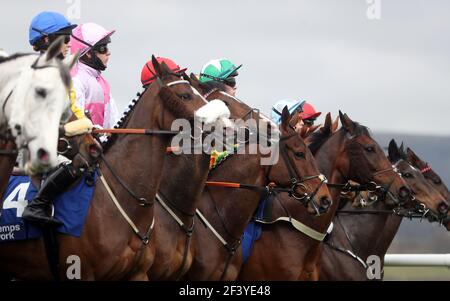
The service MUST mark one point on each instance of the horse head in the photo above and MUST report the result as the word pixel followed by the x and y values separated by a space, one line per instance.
pixel 439 209
pixel 297 168
pixel 39 103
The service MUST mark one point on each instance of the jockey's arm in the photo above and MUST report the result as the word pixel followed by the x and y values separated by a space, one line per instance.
pixel 76 109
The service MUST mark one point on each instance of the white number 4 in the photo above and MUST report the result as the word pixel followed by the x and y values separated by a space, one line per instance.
pixel 20 203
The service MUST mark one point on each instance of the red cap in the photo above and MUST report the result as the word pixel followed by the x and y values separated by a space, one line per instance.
pixel 148 73
pixel 309 112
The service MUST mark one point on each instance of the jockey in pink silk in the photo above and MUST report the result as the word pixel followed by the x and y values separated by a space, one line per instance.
pixel 91 88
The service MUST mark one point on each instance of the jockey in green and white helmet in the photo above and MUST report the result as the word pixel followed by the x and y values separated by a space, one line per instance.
pixel 220 72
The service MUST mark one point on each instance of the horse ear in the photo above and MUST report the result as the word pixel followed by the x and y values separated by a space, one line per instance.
pixel 164 68
pixel 65 75
pixel 194 78
pixel 304 132
pixel 195 82
pixel 294 119
pixel 73 59
pixel 394 152
pixel 157 67
pixel 335 124
pixel 186 77
pixel 412 157
pixel 54 49
pixel 347 123
pixel 326 129
pixel 285 118
pixel 402 149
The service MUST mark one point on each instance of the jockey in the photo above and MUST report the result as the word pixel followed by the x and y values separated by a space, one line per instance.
pixel 91 88
pixel 148 73
pixel 293 106
pixel 44 29
pixel 221 74
pixel 309 114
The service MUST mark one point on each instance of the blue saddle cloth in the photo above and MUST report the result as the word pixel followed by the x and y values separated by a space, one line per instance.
pixel 70 208
pixel 253 231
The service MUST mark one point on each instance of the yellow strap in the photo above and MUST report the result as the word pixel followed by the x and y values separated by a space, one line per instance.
pixel 308 231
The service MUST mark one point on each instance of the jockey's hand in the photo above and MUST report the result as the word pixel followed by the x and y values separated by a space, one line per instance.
pixel 78 127
pixel 104 136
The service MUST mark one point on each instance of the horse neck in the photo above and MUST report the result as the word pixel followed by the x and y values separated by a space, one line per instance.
pixel 9 74
pixel 138 159
pixel 386 237
pixel 236 206
pixel 326 158
pixel 183 180
pixel 369 234
pixel 10 70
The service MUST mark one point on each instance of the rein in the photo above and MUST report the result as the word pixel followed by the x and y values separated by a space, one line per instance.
pixel 145 238
pixel 147 132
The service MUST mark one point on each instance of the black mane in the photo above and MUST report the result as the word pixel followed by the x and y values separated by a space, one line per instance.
pixel 317 139
pixel 4 59
pixel 122 121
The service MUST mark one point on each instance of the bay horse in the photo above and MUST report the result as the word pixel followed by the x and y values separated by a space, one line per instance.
pixel 225 212
pixel 341 157
pixel 177 200
pixel 360 233
pixel 440 213
pixel 34 97
pixel 117 242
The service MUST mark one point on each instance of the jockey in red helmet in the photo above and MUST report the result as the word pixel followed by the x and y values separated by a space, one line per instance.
pixel 148 73
pixel 309 114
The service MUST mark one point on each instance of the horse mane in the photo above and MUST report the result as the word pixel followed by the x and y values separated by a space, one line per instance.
pixel 123 121
pixel 318 138
pixel 171 102
pixel 212 85
pixel 5 59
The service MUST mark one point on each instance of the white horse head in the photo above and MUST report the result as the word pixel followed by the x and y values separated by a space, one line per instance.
pixel 38 104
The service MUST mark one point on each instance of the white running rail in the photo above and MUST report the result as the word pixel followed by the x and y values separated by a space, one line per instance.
pixel 417 260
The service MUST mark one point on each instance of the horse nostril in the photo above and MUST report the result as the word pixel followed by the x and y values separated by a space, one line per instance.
pixel 94 151
pixel 443 208
pixel 325 203
pixel 18 129
pixel 404 192
pixel 43 155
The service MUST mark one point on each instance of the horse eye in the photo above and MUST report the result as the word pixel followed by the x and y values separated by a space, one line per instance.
pixel 41 92
pixel 370 149
pixel 437 181
pixel 407 175
pixel 185 96
pixel 300 155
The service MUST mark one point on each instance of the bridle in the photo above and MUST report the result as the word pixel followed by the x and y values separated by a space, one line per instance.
pixel 9 136
pixel 145 238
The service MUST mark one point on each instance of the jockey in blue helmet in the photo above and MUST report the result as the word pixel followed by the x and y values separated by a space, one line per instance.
pixel 46 27
pixel 292 105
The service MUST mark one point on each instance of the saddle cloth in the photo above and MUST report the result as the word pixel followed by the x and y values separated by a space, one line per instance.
pixel 70 208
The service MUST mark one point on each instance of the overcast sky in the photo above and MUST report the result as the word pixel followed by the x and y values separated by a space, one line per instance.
pixel 391 74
